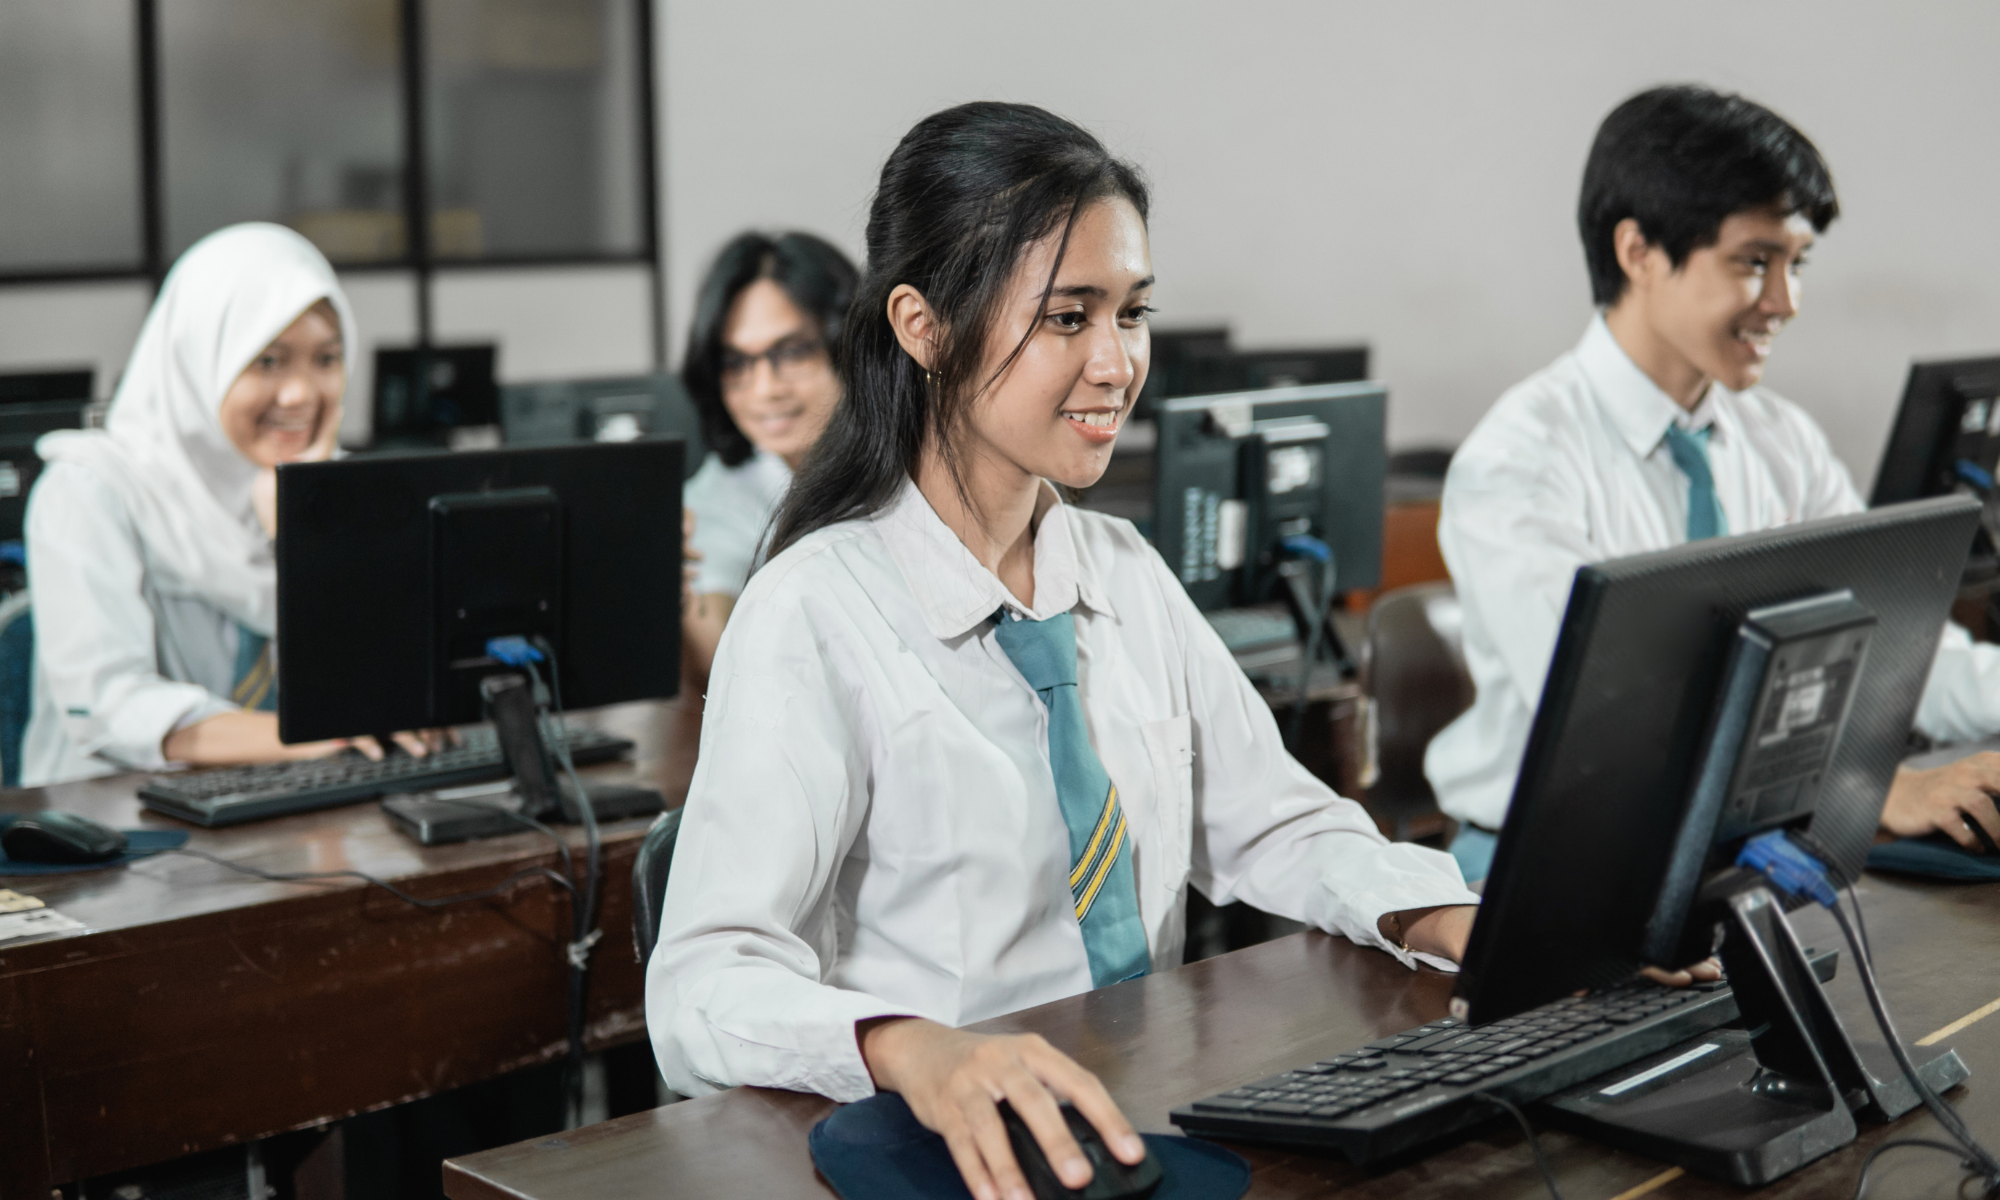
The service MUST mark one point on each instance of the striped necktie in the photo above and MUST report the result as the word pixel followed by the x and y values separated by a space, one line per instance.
pixel 256 686
pixel 1101 887
pixel 1690 451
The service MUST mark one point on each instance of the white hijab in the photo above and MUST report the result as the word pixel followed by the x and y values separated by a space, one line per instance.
pixel 186 487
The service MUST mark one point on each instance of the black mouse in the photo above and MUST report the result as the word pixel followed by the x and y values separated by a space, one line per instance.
pixel 1110 1179
pixel 60 837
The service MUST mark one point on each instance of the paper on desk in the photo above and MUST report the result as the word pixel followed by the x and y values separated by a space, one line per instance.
pixel 34 922
pixel 15 901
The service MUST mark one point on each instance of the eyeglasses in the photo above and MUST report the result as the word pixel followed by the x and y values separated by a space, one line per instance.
pixel 789 359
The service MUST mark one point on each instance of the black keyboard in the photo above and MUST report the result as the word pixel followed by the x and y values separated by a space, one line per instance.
pixel 1418 1086
pixel 229 795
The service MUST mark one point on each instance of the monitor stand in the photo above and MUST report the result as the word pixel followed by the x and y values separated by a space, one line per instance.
pixel 537 790
pixel 1749 1105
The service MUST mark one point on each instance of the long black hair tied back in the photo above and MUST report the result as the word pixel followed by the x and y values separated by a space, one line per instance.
pixel 961 199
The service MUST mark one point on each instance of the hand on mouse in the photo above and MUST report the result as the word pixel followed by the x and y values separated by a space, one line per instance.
pixel 954 1080
pixel 1945 798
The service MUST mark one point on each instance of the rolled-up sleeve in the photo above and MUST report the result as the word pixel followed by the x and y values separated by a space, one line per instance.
pixel 735 990
pixel 95 640
pixel 1269 832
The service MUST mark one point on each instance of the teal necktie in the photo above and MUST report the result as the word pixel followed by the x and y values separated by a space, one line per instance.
pixel 1690 451
pixel 1100 877
pixel 256 686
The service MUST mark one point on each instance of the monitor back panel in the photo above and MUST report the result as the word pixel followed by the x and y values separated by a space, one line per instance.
pixel 1609 764
pixel 355 620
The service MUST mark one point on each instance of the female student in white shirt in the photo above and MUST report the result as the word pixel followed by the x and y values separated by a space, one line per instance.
pixel 149 542
pixel 759 367
pixel 919 802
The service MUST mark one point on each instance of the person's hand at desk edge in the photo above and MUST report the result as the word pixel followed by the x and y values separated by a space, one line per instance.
pixel 1955 799
pixel 954 1080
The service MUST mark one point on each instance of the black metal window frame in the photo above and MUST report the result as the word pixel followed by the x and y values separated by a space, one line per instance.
pixel 413 97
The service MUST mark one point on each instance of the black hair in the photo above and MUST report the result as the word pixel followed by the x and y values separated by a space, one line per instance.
pixel 813 273
pixel 961 198
pixel 1680 160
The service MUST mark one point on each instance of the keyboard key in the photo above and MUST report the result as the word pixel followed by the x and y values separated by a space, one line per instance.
pixel 1330 1110
pixel 1282 1108
pixel 1462 1077
pixel 1508 1060
pixel 1368 1064
pixel 1392 1042
pixel 1225 1104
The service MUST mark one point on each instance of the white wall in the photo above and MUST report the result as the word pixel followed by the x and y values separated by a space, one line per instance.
pixel 1400 173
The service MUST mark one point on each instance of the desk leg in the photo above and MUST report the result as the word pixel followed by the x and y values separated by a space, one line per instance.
pixel 24 1140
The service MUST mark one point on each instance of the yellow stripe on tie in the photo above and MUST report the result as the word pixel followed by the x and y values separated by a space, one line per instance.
pixel 1082 867
pixel 1103 871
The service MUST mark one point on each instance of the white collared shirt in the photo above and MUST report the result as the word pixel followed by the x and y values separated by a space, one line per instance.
pixel 732 507
pixel 1571 467
pixel 873 827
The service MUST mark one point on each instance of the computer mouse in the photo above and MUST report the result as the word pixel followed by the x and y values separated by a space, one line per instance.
pixel 1111 1179
pixel 60 837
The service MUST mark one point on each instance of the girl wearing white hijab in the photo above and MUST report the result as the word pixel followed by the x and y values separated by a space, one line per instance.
pixel 149 542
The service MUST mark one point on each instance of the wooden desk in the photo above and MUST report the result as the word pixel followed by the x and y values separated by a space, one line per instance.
pixel 204 1007
pixel 1173 1037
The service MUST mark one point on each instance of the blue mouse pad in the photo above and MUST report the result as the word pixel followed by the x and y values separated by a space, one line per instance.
pixel 1933 857
pixel 138 844
pixel 876 1150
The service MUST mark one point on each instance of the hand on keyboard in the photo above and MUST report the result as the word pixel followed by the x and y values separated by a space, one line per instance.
pixel 1708 970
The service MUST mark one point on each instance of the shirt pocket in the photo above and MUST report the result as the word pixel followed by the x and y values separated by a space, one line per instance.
pixel 1170 752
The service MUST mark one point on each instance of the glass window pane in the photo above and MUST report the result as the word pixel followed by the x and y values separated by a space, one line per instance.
pixel 533 128
pixel 69 139
pixel 284 110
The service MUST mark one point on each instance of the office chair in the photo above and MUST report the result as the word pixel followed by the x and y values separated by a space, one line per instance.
pixel 649 881
pixel 1413 671
pixel 17 682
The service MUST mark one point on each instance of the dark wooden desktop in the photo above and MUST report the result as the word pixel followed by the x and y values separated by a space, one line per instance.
pixel 206 1008
pixel 1183 1034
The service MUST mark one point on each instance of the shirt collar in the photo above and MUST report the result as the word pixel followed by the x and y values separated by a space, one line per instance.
pixel 956 592
pixel 1636 406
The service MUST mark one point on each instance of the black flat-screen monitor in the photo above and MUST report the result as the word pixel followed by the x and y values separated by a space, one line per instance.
pixel 613 409
pixel 1597 848
pixel 423 394
pixel 1250 370
pixel 1949 421
pixel 1236 474
pixel 20 426
pixel 394 571
pixel 42 387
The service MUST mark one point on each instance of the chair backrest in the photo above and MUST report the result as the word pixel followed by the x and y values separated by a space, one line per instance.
pixel 1413 669
pixel 17 682
pixel 649 880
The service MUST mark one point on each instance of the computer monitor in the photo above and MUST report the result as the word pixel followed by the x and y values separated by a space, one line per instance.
pixel 1172 350
pixel 40 387
pixel 1250 370
pixel 1235 475
pixel 423 395
pixel 21 424
pixel 1949 420
pixel 1697 698
pixel 614 409
pixel 395 571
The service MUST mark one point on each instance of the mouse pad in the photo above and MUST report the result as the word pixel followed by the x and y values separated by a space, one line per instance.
pixel 1933 857
pixel 138 844
pixel 876 1150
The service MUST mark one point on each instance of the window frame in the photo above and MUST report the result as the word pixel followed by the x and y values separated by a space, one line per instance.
pixel 412 98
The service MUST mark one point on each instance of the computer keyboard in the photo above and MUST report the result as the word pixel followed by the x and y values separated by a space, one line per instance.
pixel 1418 1086
pixel 229 795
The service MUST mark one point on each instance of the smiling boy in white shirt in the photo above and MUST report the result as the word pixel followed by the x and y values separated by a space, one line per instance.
pixel 1696 213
